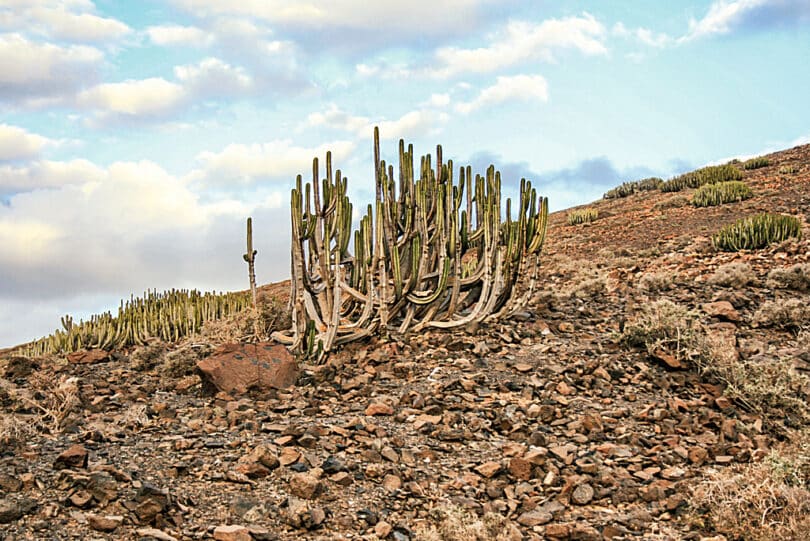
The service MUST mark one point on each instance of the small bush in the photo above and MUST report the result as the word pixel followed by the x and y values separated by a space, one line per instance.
pixel 783 314
pixel 756 232
pixel 582 216
pixel 705 175
pixel 732 275
pixel 666 326
pixel 655 281
pixel 723 192
pixel 453 523
pixel 788 170
pixel 796 277
pixel 755 163
pixel 761 501
pixel 674 202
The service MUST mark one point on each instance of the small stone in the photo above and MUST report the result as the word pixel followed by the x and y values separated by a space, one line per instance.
pixel 382 529
pixel 488 469
pixel 289 456
pixel 392 482
pixel 520 468
pixel 673 473
pixel 232 533
pixel 565 327
pixel 698 455
pixel 104 523
pixel 536 517
pixel 722 310
pixel 342 478
pixel 154 533
pixel 583 494
pixel 305 485
pixel 558 531
pixel 379 408
pixel 81 498
pixel 73 457
pixel 88 357
pixel 11 510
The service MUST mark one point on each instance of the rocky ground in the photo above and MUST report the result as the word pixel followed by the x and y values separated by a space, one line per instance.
pixel 556 424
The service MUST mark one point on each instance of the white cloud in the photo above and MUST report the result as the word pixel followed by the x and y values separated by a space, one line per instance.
pixel 245 164
pixel 644 35
pixel 47 174
pixel 134 97
pixel 512 88
pixel 171 35
pixel 19 144
pixel 213 77
pixel 33 70
pixel 60 20
pixel 523 41
pixel 410 125
pixel 725 16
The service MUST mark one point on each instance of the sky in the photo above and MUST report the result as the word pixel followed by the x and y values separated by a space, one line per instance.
pixel 137 137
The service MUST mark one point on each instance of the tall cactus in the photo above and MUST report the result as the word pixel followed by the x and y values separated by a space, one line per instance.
pixel 430 252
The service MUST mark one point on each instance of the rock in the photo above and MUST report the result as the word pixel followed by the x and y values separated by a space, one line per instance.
pixel 558 531
pixel 88 356
pixel 488 469
pixel 382 529
pixel 582 494
pixel 232 533
pixel 11 510
pixel 73 457
pixel 235 368
pixel 536 517
pixel 391 482
pixel 379 408
pixel 305 485
pixel 520 468
pixel 722 310
pixel 300 515
pixel 104 523
pixel 154 533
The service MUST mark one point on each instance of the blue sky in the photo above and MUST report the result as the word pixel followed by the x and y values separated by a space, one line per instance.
pixel 136 137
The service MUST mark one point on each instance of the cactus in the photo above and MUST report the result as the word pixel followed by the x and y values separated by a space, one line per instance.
pixel 722 192
pixel 582 216
pixel 705 175
pixel 756 232
pixel 250 258
pixel 788 170
pixel 168 316
pixel 431 251
pixel 629 188
pixel 755 163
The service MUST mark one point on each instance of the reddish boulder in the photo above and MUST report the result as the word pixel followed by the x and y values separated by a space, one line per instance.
pixel 88 356
pixel 235 368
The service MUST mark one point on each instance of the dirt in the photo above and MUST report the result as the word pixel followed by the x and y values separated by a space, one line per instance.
pixel 548 420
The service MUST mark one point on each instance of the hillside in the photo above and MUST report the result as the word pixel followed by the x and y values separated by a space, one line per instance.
pixel 579 419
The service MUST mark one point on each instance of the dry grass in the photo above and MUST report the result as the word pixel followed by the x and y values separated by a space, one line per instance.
pixel 52 400
pixel 767 500
pixel 655 281
pixel 15 429
pixel 664 325
pixel 733 275
pixel 796 277
pixel 453 523
pixel 783 314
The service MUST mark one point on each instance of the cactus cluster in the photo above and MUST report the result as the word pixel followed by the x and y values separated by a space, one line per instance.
pixel 756 163
pixel 705 175
pixel 629 188
pixel 432 251
pixel 788 170
pixel 756 232
pixel 169 316
pixel 711 195
pixel 582 216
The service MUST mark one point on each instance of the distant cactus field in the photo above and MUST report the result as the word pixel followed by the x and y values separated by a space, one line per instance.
pixel 705 175
pixel 582 216
pixel 723 192
pixel 755 163
pixel 756 232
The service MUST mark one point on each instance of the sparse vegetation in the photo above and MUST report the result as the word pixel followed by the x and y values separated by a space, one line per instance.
pixel 628 188
pixel 761 501
pixel 674 202
pixel 664 325
pixel 655 281
pixel 788 170
pixel 756 163
pixel 453 523
pixel 783 314
pixel 723 192
pixel 734 274
pixel 582 216
pixel 705 175
pixel 756 232
pixel 796 277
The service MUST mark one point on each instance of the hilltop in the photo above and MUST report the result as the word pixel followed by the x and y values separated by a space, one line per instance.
pixel 580 418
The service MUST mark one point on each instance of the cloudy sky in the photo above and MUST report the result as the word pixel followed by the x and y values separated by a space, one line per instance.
pixel 136 137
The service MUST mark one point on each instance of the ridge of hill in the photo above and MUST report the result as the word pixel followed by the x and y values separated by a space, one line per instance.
pixel 654 389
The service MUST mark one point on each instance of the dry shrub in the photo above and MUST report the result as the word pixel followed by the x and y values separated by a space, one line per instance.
pixel 796 277
pixel 147 356
pixel 733 275
pixel 456 524
pixel 655 281
pixel 761 501
pixel 15 429
pixel 675 202
pixel 783 314
pixel 664 325
pixel 52 400
pixel 183 360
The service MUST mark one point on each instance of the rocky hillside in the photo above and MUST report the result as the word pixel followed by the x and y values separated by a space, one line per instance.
pixel 655 389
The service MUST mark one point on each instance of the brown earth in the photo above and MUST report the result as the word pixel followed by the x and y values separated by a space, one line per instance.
pixel 548 425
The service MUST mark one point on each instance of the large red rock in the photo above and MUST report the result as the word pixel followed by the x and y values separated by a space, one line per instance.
pixel 88 356
pixel 235 368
